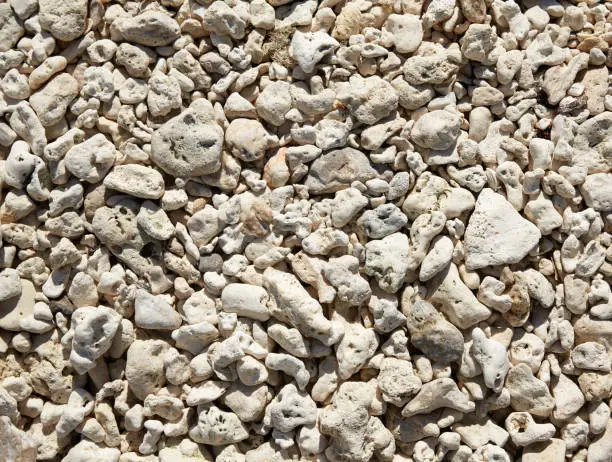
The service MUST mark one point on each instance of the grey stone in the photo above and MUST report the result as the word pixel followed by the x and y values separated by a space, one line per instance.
pixel 337 169
pixel 10 28
pixel 152 312
pixel 150 28
pixel 65 19
pixel 188 145
pixel 437 338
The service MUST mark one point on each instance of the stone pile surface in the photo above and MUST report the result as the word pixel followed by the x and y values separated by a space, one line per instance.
pixel 305 231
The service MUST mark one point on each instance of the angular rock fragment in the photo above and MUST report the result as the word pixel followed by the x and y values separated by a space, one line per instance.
pixel 492 231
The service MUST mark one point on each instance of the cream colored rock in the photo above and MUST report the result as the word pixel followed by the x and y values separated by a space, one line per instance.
pixel 551 451
pixel 436 394
pixel 216 427
pixel 301 310
pixel 136 180
pixel 15 445
pixel 94 330
pixel 524 430
pixel 493 359
pixel 527 392
pixel 455 299
pixel 489 235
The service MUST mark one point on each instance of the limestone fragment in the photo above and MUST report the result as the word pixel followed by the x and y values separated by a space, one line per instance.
pixel 489 234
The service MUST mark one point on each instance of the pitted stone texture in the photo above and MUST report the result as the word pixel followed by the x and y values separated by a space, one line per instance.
pixel 188 145
pixel 218 428
pixel 94 330
pixel 144 369
pixel 150 28
pixel 369 100
pixel 91 160
pixel 15 445
pixel 310 48
pixel 64 19
pixel 387 261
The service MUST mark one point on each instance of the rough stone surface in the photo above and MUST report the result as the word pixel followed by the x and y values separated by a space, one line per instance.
pixel 65 20
pixel 491 236
pixel 187 146
pixel 291 230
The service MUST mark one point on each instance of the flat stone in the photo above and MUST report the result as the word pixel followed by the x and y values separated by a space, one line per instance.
pixel 88 451
pixel 136 180
pixel 15 445
pixel 336 169
pixel 528 393
pixel 497 234
pixel 153 312
pixel 549 451
pixel 52 101
pixel 451 296
pixel 151 28
pixel 13 309
pixel 437 338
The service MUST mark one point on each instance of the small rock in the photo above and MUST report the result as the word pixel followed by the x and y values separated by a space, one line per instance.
pixel 51 102
pixel 311 47
pixel 528 393
pixel 91 160
pixel 144 369
pixel 489 235
pixel 188 145
pixel 10 28
pixel 335 169
pixel 64 19
pixel 94 330
pixel 597 191
pixel 406 30
pixel 436 130
pixel 136 180
pixel 18 307
pixel 10 284
pixel 153 313
pixel 17 446
pixel 150 28
pixel 437 338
